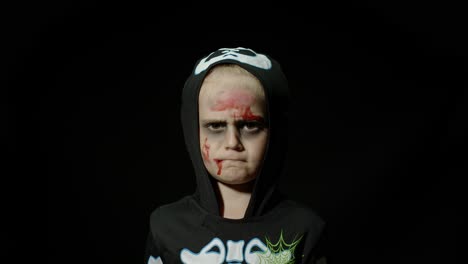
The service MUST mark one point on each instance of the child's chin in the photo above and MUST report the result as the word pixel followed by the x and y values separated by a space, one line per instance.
pixel 229 177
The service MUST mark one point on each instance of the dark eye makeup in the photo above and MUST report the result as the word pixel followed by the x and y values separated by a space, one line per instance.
pixel 249 126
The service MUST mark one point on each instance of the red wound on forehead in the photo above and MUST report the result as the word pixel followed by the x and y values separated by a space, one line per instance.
pixel 247 114
pixel 233 100
pixel 237 100
pixel 206 150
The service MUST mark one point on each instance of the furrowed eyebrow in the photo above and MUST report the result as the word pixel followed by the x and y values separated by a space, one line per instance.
pixel 258 119
pixel 247 121
pixel 238 121
pixel 208 121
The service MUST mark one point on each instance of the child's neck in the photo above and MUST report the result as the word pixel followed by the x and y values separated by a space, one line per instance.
pixel 234 199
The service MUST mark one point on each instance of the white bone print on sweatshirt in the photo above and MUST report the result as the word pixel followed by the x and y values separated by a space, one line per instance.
pixel 215 252
pixel 254 252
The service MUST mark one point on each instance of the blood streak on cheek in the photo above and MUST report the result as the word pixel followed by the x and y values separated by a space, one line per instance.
pixel 206 150
pixel 219 164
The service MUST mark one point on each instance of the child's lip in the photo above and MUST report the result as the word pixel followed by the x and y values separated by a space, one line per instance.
pixel 218 160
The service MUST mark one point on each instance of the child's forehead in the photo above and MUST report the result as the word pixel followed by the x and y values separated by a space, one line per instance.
pixel 221 92
pixel 239 95
pixel 231 83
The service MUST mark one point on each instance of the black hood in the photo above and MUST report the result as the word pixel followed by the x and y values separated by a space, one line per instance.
pixel 265 194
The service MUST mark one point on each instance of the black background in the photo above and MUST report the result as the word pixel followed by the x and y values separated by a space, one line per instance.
pixel 379 117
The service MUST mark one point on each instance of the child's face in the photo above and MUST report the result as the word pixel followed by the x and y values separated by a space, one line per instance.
pixel 233 133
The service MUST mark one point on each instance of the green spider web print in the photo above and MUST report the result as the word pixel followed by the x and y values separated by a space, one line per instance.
pixel 279 253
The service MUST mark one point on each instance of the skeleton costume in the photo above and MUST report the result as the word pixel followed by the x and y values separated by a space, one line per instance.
pixel 274 229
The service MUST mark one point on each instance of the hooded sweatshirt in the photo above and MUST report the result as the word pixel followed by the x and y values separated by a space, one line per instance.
pixel 275 229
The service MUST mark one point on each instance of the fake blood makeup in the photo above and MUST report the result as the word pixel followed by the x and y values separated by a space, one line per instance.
pixel 240 101
pixel 219 163
pixel 206 150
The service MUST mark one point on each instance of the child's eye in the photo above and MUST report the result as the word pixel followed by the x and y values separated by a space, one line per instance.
pixel 215 126
pixel 251 126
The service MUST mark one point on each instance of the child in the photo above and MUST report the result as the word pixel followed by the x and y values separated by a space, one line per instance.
pixel 234 118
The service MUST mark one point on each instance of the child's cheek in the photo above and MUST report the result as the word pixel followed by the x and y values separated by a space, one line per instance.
pixel 206 150
pixel 206 155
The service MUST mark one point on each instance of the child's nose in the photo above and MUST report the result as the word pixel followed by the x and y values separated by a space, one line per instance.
pixel 232 140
